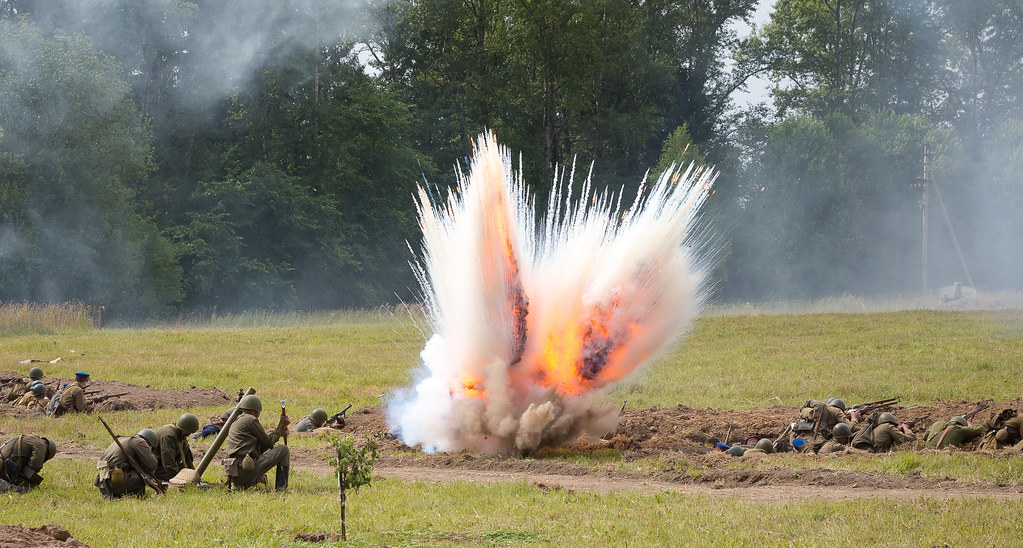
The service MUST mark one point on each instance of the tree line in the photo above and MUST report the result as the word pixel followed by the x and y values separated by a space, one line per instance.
pixel 159 156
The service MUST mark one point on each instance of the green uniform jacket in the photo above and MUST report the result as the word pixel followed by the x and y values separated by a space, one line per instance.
pixel 887 435
pixel 958 434
pixel 16 389
pixel 139 450
pixel 73 397
pixel 305 425
pixel 172 452
pixel 831 446
pixel 247 436
pixel 31 452
pixel 32 401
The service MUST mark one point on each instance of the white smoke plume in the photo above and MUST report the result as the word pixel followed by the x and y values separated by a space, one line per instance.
pixel 534 320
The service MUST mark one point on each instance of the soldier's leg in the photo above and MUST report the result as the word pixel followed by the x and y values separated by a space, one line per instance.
pixel 280 457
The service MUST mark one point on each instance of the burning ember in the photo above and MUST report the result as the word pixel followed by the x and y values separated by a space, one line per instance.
pixel 534 320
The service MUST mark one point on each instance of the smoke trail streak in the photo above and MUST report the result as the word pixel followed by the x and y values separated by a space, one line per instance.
pixel 534 323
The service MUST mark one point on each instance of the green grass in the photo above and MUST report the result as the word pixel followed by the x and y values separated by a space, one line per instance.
pixel 729 361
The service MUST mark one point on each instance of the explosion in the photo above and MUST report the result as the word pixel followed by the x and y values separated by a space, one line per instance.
pixel 534 320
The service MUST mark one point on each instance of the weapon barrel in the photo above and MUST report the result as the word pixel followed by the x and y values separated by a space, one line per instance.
pixel 219 440
pixel 145 477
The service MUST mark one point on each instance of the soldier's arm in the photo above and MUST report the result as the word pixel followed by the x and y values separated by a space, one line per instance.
pixel 79 400
pixel 264 441
pixel 144 456
pixel 38 457
pixel 168 461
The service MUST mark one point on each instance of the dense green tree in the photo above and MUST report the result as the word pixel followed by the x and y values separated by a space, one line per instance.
pixel 75 152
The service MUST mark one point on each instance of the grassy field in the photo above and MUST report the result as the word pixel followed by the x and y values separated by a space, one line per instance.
pixel 727 361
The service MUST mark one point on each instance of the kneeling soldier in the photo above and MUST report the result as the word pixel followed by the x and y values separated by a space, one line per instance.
pixel 117 477
pixel 21 460
pixel 250 449
pixel 172 450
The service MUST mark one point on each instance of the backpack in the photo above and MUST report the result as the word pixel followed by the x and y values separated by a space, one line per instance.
pixel 864 438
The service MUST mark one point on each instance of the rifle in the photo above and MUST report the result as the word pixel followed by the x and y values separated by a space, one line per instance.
pixel 864 408
pixel 101 399
pixel 285 436
pixel 150 481
pixel 980 407
pixel 339 417
pixel 781 436
pixel 910 423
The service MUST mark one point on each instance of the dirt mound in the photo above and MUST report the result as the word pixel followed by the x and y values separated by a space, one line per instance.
pixel 687 430
pixel 13 536
pixel 132 396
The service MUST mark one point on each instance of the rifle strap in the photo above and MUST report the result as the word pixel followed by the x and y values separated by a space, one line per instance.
pixel 943 434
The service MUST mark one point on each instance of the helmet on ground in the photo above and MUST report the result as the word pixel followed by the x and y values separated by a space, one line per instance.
pixel 149 435
pixel 251 402
pixel 838 402
pixel 960 420
pixel 39 389
pixel 51 448
pixel 189 423
pixel 841 430
pixel 35 373
pixel 765 445
pixel 735 451
pixel 318 415
pixel 887 417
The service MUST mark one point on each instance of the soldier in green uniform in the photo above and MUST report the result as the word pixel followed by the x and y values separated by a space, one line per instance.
pixel 886 435
pixel 822 415
pixel 311 421
pixel 21 460
pixel 763 447
pixel 19 387
pixel 1007 432
pixel 841 435
pixel 955 431
pixel 250 449
pixel 117 477
pixel 36 398
pixel 72 398
pixel 172 450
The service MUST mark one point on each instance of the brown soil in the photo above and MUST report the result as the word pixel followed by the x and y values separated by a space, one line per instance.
pixel 133 396
pixel 15 536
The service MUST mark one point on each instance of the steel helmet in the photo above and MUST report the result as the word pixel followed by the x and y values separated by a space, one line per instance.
pixel 188 422
pixel 841 430
pixel 765 445
pixel 35 373
pixel 735 451
pixel 51 448
pixel 251 402
pixel 149 435
pixel 960 420
pixel 838 402
pixel 318 415
pixel 39 389
pixel 887 417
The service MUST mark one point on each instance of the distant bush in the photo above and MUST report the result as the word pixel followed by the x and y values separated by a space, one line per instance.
pixel 28 316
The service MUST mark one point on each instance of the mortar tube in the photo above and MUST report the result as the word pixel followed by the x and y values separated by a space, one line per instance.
pixel 219 440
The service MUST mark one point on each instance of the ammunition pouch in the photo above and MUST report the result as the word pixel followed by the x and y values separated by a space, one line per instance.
pixel 110 474
pixel 803 426
pixel 230 465
pixel 116 476
pixel 248 464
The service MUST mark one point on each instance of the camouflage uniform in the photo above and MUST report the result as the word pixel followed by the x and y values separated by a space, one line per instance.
pixel 956 434
pixel 248 438
pixel 172 452
pixel 112 458
pixel 32 401
pixel 28 452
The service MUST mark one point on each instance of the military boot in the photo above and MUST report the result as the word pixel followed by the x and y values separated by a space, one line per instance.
pixel 281 480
